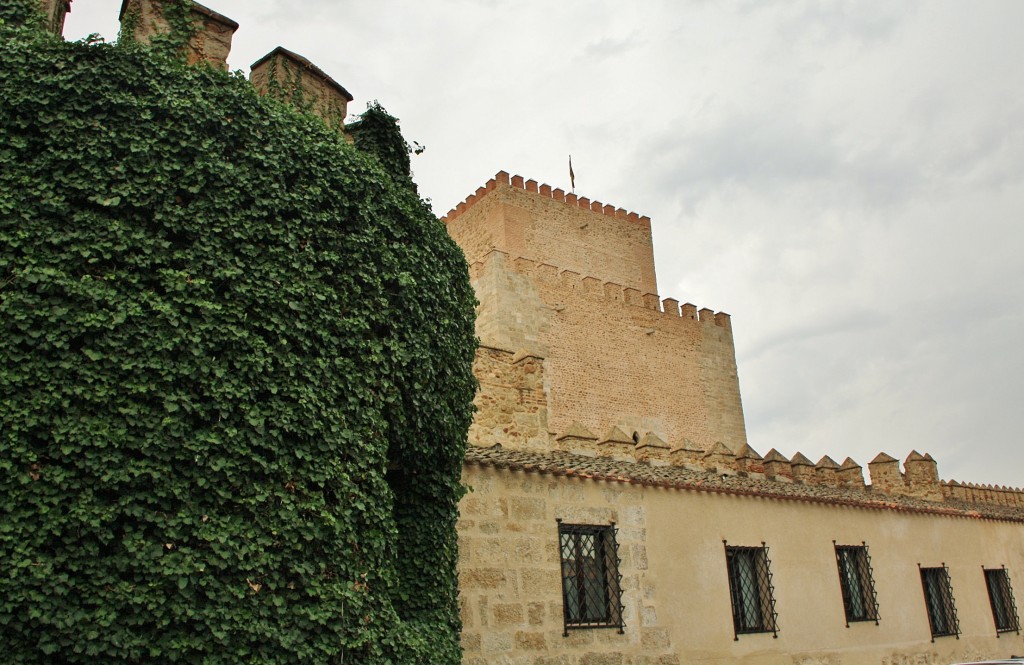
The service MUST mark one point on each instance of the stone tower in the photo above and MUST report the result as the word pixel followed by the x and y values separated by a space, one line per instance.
pixel 570 284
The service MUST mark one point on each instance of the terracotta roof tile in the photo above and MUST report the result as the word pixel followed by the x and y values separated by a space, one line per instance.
pixel 560 463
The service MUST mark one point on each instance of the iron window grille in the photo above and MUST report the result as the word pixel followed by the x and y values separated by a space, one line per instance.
pixel 591 583
pixel 938 599
pixel 751 590
pixel 856 581
pixel 1000 596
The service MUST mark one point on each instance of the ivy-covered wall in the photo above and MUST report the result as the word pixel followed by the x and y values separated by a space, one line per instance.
pixel 235 373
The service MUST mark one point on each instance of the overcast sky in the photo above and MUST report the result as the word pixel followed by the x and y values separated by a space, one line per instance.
pixel 846 178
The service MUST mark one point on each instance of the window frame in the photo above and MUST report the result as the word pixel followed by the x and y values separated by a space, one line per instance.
pixel 946 624
pixel 579 575
pixel 751 591
pixel 853 563
pixel 1005 604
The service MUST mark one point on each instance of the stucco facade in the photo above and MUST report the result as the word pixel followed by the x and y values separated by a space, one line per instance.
pixel 605 407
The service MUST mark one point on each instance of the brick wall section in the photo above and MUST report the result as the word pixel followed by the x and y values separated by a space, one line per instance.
pixel 611 357
pixel 480 229
pixel 510 586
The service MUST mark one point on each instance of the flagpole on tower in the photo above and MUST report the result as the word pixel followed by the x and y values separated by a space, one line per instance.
pixel 572 176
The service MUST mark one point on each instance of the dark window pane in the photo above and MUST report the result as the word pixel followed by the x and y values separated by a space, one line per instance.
pixel 938 597
pixel 750 590
pixel 856 583
pixel 1000 596
pixel 591 592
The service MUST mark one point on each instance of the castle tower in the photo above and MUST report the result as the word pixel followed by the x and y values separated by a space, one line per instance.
pixel 572 282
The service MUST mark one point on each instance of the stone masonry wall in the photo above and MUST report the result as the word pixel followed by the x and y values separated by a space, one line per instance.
pixel 511 314
pixel 55 12
pixel 510 573
pixel 511 405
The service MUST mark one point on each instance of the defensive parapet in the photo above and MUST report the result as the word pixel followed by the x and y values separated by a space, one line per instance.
pixel 282 74
pixel 592 287
pixel 524 218
pixel 291 78
pixel 546 191
pixel 210 41
pixel 920 483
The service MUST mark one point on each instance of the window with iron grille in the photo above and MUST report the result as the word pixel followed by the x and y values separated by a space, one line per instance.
pixel 591 583
pixel 1000 596
pixel 751 590
pixel 938 599
pixel 856 583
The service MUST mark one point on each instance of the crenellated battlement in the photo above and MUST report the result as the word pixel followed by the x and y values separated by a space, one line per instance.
pixel 503 179
pixel 919 481
pixel 573 282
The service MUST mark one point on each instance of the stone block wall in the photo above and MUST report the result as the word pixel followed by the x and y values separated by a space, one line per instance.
pixel 510 585
pixel 511 404
pixel 55 11
pixel 676 599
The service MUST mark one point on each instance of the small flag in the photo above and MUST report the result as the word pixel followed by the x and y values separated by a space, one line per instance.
pixel 572 176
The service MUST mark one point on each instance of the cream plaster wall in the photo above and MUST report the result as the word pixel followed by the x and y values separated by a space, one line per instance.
pixel 676 598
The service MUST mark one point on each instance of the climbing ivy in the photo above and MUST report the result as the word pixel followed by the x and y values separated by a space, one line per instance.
pixel 377 132
pixel 15 14
pixel 170 43
pixel 235 375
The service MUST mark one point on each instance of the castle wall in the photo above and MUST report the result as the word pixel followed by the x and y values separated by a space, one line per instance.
pixel 676 596
pixel 613 358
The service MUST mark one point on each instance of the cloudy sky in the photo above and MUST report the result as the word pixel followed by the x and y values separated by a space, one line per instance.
pixel 846 178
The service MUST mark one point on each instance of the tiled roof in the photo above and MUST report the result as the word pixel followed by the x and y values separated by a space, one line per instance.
pixel 560 463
